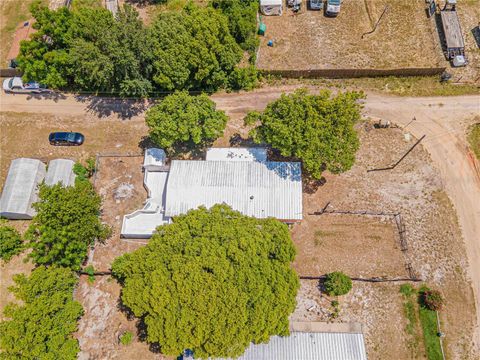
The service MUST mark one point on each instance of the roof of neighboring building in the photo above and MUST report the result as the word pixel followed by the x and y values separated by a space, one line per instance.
pixel 236 154
pixel 60 171
pixel 259 189
pixel 20 189
pixel 309 346
pixel 154 157
pixel 271 2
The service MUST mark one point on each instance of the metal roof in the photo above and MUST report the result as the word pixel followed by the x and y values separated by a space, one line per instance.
pixel 309 346
pixel 452 30
pixel 60 171
pixel 236 154
pixel 154 157
pixel 259 189
pixel 20 189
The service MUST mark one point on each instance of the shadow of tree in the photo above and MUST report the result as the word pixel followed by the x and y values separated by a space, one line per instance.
pixel 105 106
pixel 310 185
pixel 48 95
pixel 236 140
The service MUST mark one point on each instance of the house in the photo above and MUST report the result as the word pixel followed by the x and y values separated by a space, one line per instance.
pixel 271 7
pixel 242 178
pixel 20 189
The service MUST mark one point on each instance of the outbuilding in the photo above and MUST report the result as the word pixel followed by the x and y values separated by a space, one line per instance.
pixel 20 189
pixel 60 171
pixel 271 7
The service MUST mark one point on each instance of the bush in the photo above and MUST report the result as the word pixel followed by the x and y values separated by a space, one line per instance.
pixel 10 242
pixel 126 338
pixel 337 283
pixel 407 290
pixel 431 299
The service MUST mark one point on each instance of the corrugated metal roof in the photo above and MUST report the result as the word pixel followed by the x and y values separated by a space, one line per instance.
pixel 268 189
pixel 60 171
pixel 309 346
pixel 20 189
pixel 236 154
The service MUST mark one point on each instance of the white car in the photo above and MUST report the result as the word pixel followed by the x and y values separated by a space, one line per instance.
pixel 15 85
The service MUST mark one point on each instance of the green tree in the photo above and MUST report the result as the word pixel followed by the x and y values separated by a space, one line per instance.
pixel 10 242
pixel 242 20
pixel 181 117
pixel 337 283
pixel 317 129
pixel 212 281
pixel 66 224
pixel 193 49
pixel 42 327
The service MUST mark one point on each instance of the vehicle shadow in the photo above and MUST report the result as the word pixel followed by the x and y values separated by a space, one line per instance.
pixel 125 109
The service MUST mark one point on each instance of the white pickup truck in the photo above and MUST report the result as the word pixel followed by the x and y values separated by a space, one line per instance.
pixel 333 8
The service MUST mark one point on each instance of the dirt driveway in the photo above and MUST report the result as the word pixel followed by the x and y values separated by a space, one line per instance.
pixel 443 120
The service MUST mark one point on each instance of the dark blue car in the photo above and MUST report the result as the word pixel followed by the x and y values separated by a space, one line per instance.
pixel 66 139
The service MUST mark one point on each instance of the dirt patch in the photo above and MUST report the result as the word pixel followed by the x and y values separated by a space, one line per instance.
pixel 309 40
pixel 358 246
pixel 435 245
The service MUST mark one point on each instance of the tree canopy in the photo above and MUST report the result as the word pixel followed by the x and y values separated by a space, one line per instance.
pixel 317 129
pixel 212 281
pixel 181 117
pixel 10 242
pixel 42 327
pixel 89 49
pixel 66 224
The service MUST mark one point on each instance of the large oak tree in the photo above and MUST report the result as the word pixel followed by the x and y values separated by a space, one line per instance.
pixel 212 281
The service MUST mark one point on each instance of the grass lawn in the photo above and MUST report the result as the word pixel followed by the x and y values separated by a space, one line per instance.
pixel 428 320
pixel 474 139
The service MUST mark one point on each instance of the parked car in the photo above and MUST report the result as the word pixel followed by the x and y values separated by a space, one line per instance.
pixel 333 8
pixel 66 139
pixel 316 4
pixel 15 85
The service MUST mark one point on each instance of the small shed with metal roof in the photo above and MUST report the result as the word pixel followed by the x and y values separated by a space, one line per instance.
pixel 60 171
pixel 20 189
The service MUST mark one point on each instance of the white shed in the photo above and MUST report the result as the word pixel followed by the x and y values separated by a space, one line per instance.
pixel 20 189
pixel 271 7
pixel 60 171
pixel 154 159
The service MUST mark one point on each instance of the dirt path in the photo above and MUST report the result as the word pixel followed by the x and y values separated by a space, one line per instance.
pixel 442 120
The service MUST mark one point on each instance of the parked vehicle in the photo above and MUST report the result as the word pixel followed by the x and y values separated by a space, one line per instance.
pixel 15 85
pixel 333 8
pixel 316 4
pixel 66 139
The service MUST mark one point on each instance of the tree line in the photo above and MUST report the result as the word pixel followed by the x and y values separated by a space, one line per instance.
pixel 89 49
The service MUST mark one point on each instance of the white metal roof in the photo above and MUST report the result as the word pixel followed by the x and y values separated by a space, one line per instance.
pixel 268 189
pixel 60 171
pixel 142 223
pixel 271 2
pixel 20 189
pixel 309 346
pixel 154 157
pixel 236 154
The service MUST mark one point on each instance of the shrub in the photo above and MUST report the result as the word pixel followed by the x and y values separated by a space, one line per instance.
pixel 337 283
pixel 407 290
pixel 126 338
pixel 90 270
pixel 10 242
pixel 431 299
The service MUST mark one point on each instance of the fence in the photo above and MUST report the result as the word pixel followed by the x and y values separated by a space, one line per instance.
pixel 353 73
pixel 10 72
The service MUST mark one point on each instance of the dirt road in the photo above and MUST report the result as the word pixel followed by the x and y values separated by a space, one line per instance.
pixel 442 120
